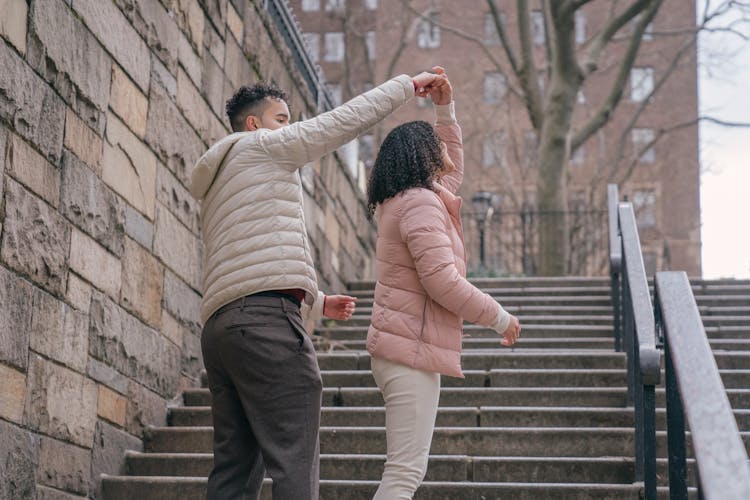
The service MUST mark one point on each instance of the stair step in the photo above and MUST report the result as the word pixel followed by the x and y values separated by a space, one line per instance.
pixel 179 488
pixel 530 330
pixel 604 343
pixel 540 319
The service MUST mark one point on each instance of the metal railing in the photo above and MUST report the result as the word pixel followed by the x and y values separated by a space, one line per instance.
pixel 287 26
pixel 639 341
pixel 694 390
pixel 693 382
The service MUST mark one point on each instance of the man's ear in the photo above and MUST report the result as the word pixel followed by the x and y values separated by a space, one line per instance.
pixel 251 123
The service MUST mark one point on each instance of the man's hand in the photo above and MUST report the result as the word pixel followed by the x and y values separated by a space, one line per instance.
pixel 424 82
pixel 441 91
pixel 339 307
pixel 510 335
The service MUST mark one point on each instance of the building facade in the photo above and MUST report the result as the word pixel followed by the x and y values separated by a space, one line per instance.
pixel 649 146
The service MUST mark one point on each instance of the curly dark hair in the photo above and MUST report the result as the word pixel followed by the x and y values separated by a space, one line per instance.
pixel 248 100
pixel 409 157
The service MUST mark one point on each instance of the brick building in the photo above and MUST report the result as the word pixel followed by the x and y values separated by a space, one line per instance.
pixel 649 147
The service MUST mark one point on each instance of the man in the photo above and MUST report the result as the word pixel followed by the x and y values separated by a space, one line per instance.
pixel 258 273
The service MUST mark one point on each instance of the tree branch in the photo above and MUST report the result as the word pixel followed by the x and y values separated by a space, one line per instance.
pixel 613 99
pixel 512 59
pixel 528 73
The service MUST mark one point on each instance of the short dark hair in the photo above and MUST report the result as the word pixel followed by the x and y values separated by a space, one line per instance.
pixel 409 157
pixel 248 100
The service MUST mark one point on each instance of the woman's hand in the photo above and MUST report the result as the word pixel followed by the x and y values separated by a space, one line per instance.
pixel 339 307
pixel 511 334
pixel 425 82
pixel 441 92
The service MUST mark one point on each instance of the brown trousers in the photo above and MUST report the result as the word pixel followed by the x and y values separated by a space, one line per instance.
pixel 266 395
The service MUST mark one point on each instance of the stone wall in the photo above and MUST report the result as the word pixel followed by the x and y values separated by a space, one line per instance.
pixel 105 105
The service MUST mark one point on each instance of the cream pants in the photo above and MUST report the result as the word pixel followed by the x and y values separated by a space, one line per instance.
pixel 411 401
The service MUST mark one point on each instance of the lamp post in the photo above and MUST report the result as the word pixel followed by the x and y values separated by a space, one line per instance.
pixel 483 208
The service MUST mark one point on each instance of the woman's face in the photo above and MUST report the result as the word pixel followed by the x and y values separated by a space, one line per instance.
pixel 448 165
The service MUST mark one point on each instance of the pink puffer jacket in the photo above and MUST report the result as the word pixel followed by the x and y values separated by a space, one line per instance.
pixel 422 295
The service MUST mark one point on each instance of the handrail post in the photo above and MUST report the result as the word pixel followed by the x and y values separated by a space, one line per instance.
pixel 615 262
pixel 675 432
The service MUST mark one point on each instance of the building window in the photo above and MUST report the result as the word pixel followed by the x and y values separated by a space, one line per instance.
pixel 578 156
pixel 537 27
pixel 648 33
pixel 492 150
pixel 371 4
pixel 643 147
pixel 367 86
pixel 641 83
pixel 644 206
pixel 491 36
pixel 428 32
pixel 335 5
pixel 580 27
pixel 334 47
pixel 336 91
pixel 367 150
pixel 370 43
pixel 495 87
pixel 310 5
pixel 312 41
pixel 649 263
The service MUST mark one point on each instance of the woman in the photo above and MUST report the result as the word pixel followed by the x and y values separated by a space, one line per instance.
pixel 421 294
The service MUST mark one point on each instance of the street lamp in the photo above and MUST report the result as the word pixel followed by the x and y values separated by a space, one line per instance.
pixel 483 208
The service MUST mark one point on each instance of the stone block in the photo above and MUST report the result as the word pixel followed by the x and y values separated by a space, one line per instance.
pixel 46 493
pixel 128 102
pixel 175 143
pixel 83 142
pixel 118 36
pixel 64 466
pixel 78 293
pixel 216 11
pixel 107 375
pixel 142 283
pixel 60 402
pixel 236 64
pixel 92 261
pixel 161 75
pixel 177 247
pixel 191 20
pixel 129 167
pixel 196 111
pixel 192 357
pixel 189 59
pixel 111 406
pixel 65 53
pixel 156 26
pixel 182 302
pixel 16 306
pixel 18 460
pixel 36 238
pixel 27 102
pixel 121 341
pixel 235 24
pixel 108 456
pixel 12 393
pixel 213 86
pixel 172 329
pixel 138 227
pixel 145 408
pixel 173 195
pixel 13 22
pixel 90 205
pixel 215 45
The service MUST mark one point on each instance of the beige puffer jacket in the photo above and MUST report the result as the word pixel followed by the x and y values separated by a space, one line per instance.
pixel 252 213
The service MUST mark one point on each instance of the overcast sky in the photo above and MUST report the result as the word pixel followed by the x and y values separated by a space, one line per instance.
pixel 724 92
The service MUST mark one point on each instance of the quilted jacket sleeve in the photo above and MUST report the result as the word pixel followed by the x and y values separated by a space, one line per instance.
pixel 449 131
pixel 422 227
pixel 302 142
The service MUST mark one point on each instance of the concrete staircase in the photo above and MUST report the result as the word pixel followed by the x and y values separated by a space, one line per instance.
pixel 545 420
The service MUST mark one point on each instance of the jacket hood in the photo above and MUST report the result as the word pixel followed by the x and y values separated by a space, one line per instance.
pixel 208 165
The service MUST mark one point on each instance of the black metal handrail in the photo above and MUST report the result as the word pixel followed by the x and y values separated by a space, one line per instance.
pixel 615 261
pixel 695 390
pixel 639 339
pixel 288 28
